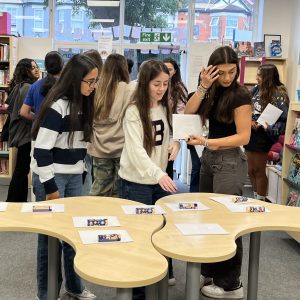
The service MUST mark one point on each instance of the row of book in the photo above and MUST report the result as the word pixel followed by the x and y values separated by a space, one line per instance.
pixel 258 49
pixel 3 146
pixel 3 96
pixel 4 166
pixel 4 77
pixel 4 52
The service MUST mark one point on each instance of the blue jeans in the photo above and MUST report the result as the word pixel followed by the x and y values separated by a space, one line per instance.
pixel 68 186
pixel 144 193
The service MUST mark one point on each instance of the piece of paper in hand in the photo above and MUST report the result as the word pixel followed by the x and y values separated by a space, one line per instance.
pixel 269 115
pixel 186 125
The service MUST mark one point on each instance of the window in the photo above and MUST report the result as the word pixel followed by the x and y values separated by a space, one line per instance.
pixel 38 20
pixel 214 28
pixel 231 25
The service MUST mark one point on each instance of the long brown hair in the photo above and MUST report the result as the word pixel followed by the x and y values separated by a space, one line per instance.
pixel 227 96
pixel 178 90
pixel 149 70
pixel 270 84
pixel 114 71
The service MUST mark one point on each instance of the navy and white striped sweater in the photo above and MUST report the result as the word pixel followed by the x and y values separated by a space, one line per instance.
pixel 52 154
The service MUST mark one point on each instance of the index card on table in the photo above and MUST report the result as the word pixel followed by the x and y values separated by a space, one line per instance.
pixel 55 208
pixel 82 221
pixel 197 229
pixel 3 206
pixel 91 236
pixel 175 206
pixel 131 209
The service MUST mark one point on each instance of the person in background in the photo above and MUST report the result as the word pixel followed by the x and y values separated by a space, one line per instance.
pixel 88 175
pixel 130 65
pixel 26 73
pixel 112 97
pixel 53 65
pixel 269 89
pixel 227 105
pixel 178 96
pixel 61 132
pixel 29 110
pixel 147 129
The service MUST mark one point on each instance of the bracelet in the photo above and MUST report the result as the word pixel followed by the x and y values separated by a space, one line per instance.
pixel 201 89
pixel 206 143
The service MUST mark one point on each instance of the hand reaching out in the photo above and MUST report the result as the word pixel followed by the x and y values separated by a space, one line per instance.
pixel 167 184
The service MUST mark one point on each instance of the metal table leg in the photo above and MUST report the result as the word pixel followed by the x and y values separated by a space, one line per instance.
pixel 192 285
pixel 124 294
pixel 253 265
pixel 163 288
pixel 151 291
pixel 53 246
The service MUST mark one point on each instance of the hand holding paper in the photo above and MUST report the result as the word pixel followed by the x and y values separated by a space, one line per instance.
pixel 186 125
pixel 270 115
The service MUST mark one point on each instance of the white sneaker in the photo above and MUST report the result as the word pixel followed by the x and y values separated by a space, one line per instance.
pixel 172 281
pixel 85 295
pixel 205 281
pixel 214 291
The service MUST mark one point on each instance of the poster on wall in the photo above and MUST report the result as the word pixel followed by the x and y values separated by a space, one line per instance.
pixel 105 46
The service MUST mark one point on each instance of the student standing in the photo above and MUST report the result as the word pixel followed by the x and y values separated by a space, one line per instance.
pixel 147 145
pixel 61 133
pixel 112 97
pixel 26 73
pixel 269 89
pixel 227 105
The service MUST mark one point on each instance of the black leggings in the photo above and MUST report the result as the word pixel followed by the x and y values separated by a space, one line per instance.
pixel 18 187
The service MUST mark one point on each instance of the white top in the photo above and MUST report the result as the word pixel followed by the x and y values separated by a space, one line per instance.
pixel 136 165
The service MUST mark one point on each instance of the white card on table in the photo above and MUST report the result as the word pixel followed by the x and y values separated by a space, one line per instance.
pixel 131 209
pixel 92 236
pixel 55 208
pixel 3 206
pixel 269 115
pixel 175 206
pixel 84 221
pixel 186 125
pixel 199 229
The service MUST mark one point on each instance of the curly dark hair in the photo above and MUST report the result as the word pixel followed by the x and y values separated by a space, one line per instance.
pixel 22 73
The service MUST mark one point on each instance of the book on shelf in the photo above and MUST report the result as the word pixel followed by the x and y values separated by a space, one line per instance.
pixel 4 166
pixel 294 170
pixel 276 49
pixel 294 141
pixel 4 52
pixel 243 48
pixel 293 197
pixel 259 49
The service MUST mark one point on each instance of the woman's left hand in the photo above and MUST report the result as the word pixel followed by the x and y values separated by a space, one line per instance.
pixel 174 149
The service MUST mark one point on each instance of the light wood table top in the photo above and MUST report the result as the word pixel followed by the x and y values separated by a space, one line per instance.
pixel 214 248
pixel 119 265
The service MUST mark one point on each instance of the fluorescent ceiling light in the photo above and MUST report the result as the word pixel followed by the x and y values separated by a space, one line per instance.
pixel 102 20
pixel 28 18
pixel 103 3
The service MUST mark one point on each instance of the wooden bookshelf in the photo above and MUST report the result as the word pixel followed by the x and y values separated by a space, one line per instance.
pixel 288 153
pixel 9 62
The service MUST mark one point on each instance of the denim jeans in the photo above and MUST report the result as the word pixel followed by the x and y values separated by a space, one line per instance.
pixel 88 178
pixel 195 172
pixel 68 186
pixel 144 193
pixel 224 172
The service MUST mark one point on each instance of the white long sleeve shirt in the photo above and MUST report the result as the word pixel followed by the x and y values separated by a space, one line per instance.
pixel 136 165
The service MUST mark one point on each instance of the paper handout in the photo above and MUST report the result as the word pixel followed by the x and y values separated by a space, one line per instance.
pixel 269 115
pixel 185 125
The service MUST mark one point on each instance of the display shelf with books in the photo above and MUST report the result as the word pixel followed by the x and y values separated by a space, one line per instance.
pixel 291 161
pixel 8 61
pixel 252 63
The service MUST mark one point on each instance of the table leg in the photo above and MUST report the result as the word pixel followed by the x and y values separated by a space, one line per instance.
pixel 192 285
pixel 52 290
pixel 253 265
pixel 124 294
pixel 163 287
pixel 151 291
